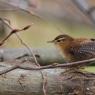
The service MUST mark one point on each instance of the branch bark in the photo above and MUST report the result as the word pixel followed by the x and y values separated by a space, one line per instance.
pixel 59 82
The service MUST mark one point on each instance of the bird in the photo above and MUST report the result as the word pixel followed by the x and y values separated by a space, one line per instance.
pixel 75 49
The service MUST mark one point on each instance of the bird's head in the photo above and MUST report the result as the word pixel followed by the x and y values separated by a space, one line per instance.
pixel 61 39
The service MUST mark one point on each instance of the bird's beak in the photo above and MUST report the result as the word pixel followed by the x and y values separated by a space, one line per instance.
pixel 50 41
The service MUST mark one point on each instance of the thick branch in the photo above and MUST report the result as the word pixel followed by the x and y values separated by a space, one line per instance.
pixel 26 82
pixel 74 65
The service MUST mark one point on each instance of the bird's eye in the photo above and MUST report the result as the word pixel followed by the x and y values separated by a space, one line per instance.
pixel 58 40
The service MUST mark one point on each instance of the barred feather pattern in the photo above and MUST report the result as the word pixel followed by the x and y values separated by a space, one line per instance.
pixel 83 51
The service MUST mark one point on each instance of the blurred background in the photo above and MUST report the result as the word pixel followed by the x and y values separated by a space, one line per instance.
pixel 48 18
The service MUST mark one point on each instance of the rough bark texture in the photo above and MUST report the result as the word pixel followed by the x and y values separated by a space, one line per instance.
pixel 58 82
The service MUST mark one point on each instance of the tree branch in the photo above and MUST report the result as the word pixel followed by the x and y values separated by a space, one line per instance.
pixel 26 82
pixel 75 65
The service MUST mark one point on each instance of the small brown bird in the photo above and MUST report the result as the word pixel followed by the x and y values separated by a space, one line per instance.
pixel 75 49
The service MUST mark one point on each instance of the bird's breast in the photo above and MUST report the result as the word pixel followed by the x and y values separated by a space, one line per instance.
pixel 65 52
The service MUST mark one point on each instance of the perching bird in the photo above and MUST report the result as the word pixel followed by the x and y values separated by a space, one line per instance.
pixel 75 49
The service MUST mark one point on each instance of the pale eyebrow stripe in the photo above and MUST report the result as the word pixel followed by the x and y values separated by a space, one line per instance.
pixel 61 39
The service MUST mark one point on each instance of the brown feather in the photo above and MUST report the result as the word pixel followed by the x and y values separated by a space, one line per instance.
pixel 76 49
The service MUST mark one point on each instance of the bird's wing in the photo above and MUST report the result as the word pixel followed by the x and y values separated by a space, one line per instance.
pixel 85 50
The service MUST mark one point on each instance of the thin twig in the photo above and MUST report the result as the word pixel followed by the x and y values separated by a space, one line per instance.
pixel 29 49
pixel 5 19
pixel 36 62
pixel 14 31
pixel 44 85
pixel 65 65
pixel 8 69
